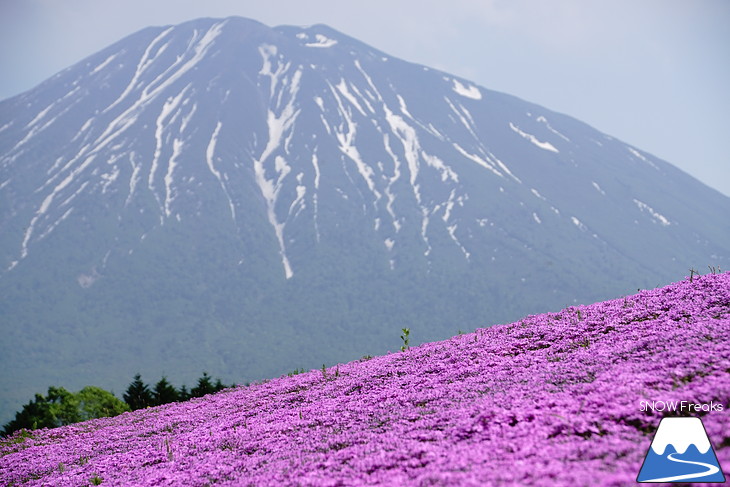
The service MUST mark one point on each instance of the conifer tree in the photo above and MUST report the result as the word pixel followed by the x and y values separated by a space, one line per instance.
pixel 138 395
pixel 164 392
pixel 183 394
pixel 219 386
pixel 205 386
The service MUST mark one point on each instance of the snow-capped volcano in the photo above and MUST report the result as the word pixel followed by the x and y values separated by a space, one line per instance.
pixel 267 198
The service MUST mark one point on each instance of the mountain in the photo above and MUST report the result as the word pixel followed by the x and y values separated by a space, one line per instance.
pixel 552 399
pixel 220 195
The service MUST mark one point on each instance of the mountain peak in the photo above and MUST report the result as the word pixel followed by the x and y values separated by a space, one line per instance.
pixel 268 185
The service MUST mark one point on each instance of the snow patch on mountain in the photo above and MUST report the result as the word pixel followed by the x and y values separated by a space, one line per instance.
pixel 411 148
pixel 537 194
pixel 656 216
pixel 598 188
pixel 321 40
pixel 578 223
pixel 346 138
pixel 142 65
pixel 543 120
pixel 469 91
pixel 109 178
pixel 464 117
pixel 542 145
pixel 105 63
pixel 40 215
pixel 210 158
pixel 280 119
pixel 641 157
pixel 162 123
pixel 477 159
pixel 344 91
pixel 177 149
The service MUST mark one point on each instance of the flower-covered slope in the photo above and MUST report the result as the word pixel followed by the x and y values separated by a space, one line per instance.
pixel 554 399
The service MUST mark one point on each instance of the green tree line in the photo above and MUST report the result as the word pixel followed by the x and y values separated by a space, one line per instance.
pixel 60 407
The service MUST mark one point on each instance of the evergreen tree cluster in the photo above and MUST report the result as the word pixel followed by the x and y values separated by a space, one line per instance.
pixel 139 395
pixel 60 407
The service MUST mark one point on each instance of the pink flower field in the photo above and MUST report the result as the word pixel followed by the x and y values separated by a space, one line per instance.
pixel 553 399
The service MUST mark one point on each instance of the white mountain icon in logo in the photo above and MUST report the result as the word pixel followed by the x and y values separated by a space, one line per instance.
pixel 681 452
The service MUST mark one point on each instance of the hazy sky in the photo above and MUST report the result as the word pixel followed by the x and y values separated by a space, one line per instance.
pixel 653 73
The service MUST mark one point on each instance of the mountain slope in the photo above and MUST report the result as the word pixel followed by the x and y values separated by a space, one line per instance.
pixel 222 195
pixel 555 398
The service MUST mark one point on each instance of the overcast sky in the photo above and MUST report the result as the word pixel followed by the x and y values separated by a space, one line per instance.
pixel 653 73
